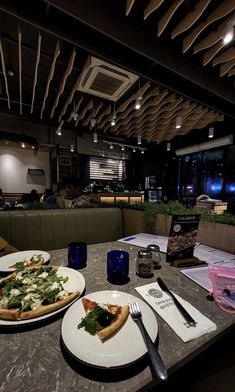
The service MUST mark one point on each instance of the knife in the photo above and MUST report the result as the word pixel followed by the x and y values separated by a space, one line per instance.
pixel 190 321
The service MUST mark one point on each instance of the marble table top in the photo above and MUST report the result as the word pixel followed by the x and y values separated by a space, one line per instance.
pixel 33 358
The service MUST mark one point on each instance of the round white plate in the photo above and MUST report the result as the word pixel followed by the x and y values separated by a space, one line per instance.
pixel 124 347
pixel 12 258
pixel 76 282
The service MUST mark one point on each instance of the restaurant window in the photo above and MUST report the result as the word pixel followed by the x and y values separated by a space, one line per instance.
pixel 213 173
pixel 106 169
pixel 230 173
pixel 191 174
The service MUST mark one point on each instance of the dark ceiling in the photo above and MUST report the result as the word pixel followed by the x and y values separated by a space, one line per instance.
pixel 115 31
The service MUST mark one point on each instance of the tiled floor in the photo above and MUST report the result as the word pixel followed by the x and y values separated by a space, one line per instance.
pixel 212 371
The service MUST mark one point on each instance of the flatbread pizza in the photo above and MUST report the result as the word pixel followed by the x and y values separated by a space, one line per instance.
pixel 35 260
pixel 33 292
pixel 103 319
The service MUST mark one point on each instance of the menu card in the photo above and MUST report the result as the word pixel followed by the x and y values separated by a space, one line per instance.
pixel 182 237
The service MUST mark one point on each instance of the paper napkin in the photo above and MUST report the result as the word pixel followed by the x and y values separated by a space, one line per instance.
pixel 164 305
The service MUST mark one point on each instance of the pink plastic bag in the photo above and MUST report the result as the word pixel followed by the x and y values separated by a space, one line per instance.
pixel 223 287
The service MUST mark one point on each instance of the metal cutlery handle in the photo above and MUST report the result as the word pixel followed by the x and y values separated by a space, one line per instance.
pixel 155 357
pixel 190 321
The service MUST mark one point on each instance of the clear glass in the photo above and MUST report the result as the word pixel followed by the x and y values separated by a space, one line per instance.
pixel 144 264
pixel 156 255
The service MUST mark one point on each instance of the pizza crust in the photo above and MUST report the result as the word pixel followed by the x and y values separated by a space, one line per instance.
pixel 45 309
pixel 104 333
pixel 115 325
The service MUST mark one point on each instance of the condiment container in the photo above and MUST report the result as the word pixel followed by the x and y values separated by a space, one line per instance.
pixel 144 264
pixel 156 255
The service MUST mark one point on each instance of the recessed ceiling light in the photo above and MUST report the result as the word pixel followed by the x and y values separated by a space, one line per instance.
pixel 10 72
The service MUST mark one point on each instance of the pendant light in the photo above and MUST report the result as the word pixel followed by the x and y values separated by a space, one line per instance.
pixel 178 122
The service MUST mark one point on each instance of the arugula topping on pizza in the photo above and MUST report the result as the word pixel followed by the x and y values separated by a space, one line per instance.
pixel 33 292
pixel 103 319
pixel 28 262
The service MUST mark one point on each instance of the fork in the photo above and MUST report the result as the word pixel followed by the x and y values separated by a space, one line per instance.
pixel 155 357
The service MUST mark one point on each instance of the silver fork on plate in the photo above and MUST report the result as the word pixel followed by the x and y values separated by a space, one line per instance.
pixel 155 357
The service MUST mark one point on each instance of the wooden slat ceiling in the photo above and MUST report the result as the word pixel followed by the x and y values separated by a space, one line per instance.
pixel 51 87
pixel 194 26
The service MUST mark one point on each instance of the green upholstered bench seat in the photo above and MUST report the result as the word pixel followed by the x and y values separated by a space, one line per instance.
pixel 54 229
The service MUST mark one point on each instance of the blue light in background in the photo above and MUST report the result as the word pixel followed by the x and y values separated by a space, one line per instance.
pixel 216 187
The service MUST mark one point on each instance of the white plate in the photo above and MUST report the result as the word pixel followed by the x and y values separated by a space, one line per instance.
pixel 12 258
pixel 76 282
pixel 123 348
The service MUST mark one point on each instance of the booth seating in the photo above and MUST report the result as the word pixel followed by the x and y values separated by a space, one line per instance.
pixel 54 229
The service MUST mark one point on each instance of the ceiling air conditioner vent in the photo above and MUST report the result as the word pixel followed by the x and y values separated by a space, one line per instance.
pixel 105 80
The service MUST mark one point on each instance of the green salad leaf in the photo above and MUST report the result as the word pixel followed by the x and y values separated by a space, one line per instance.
pixel 90 322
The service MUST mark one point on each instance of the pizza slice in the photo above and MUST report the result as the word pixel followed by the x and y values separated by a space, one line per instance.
pixel 35 260
pixel 33 292
pixel 103 319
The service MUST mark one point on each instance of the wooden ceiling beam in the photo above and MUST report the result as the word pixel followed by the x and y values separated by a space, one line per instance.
pixel 151 7
pixel 50 76
pixel 190 19
pixel 75 109
pixel 225 8
pixel 20 68
pixel 4 74
pixel 63 81
pixel 36 70
pixel 129 5
pixel 163 22
pixel 224 57
pixel 185 77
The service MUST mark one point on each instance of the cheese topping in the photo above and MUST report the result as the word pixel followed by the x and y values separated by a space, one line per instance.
pixel 43 275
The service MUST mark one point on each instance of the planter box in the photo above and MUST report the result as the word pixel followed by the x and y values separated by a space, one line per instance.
pixel 216 235
pixel 134 223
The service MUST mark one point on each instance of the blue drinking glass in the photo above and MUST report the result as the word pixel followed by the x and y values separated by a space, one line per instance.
pixel 77 255
pixel 118 266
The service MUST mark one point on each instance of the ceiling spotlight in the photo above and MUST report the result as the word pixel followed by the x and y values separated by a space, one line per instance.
pixel 178 122
pixel 93 122
pixel 123 148
pixel 23 145
pixel 33 147
pixel 168 146
pixel 113 121
pixel 211 132
pixel 58 131
pixel 95 137
pixel 137 103
pixel 134 150
pixel 102 154
pixel 123 157
pixel 142 151
pixel 111 146
pixel 10 73
pixel 74 116
pixel 228 33
pixel 72 147
pixel 139 139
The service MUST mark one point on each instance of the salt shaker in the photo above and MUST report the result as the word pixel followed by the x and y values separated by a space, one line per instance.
pixel 144 264
pixel 156 255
